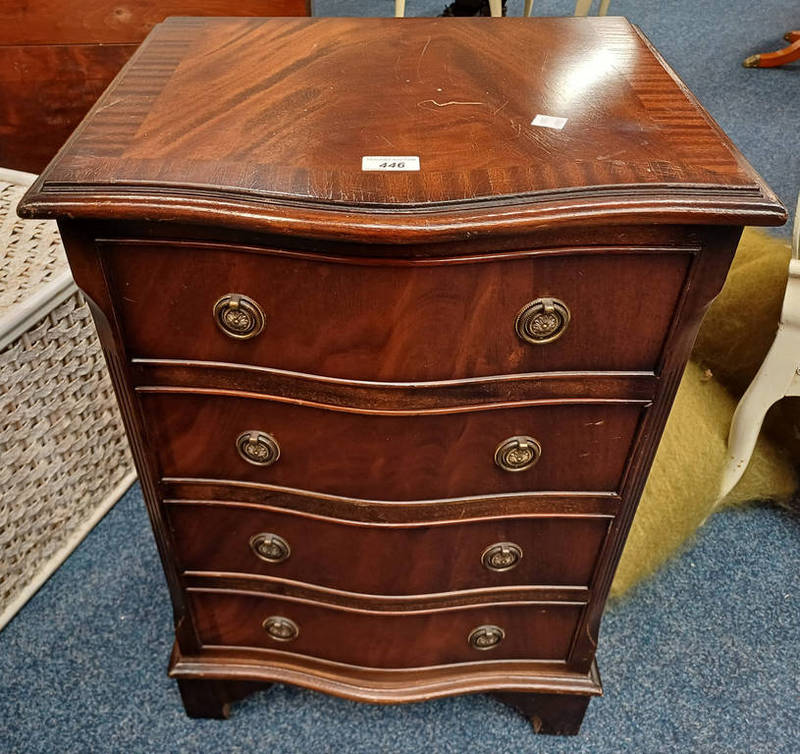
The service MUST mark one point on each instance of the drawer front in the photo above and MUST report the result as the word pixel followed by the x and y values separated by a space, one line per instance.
pixel 385 640
pixel 389 559
pixel 393 321
pixel 584 447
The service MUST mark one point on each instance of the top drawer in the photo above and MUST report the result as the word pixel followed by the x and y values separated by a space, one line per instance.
pixel 397 320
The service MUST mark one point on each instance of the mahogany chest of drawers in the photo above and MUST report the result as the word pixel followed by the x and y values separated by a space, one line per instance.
pixel 395 312
pixel 55 60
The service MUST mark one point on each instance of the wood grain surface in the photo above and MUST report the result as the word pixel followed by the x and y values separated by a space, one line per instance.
pixel 386 686
pixel 56 60
pixel 381 639
pixel 206 135
pixel 397 320
pixel 45 90
pixel 581 504
pixel 396 396
pixel 45 22
pixel 391 457
pixel 389 559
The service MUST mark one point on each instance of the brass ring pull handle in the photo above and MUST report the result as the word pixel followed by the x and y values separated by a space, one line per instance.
pixel 258 448
pixel 280 628
pixel 502 556
pixel 517 453
pixel 239 316
pixel 542 320
pixel 270 547
pixel 486 637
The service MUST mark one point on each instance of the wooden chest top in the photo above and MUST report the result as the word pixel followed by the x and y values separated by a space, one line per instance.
pixel 265 122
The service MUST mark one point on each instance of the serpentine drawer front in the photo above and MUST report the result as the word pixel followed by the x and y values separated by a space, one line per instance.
pixel 571 446
pixel 410 636
pixel 397 320
pixel 394 354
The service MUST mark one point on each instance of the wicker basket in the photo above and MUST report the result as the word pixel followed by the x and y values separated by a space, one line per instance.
pixel 65 457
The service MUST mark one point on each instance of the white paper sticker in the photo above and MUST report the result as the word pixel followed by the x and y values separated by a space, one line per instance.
pixel 549 121
pixel 389 163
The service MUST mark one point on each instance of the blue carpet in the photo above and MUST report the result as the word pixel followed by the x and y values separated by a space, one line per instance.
pixel 704 658
pixel 705 42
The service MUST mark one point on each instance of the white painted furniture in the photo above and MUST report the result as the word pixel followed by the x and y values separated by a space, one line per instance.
pixel 778 376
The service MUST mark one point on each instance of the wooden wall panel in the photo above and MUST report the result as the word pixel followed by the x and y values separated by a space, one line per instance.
pixel 118 21
pixel 45 90
pixel 54 62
